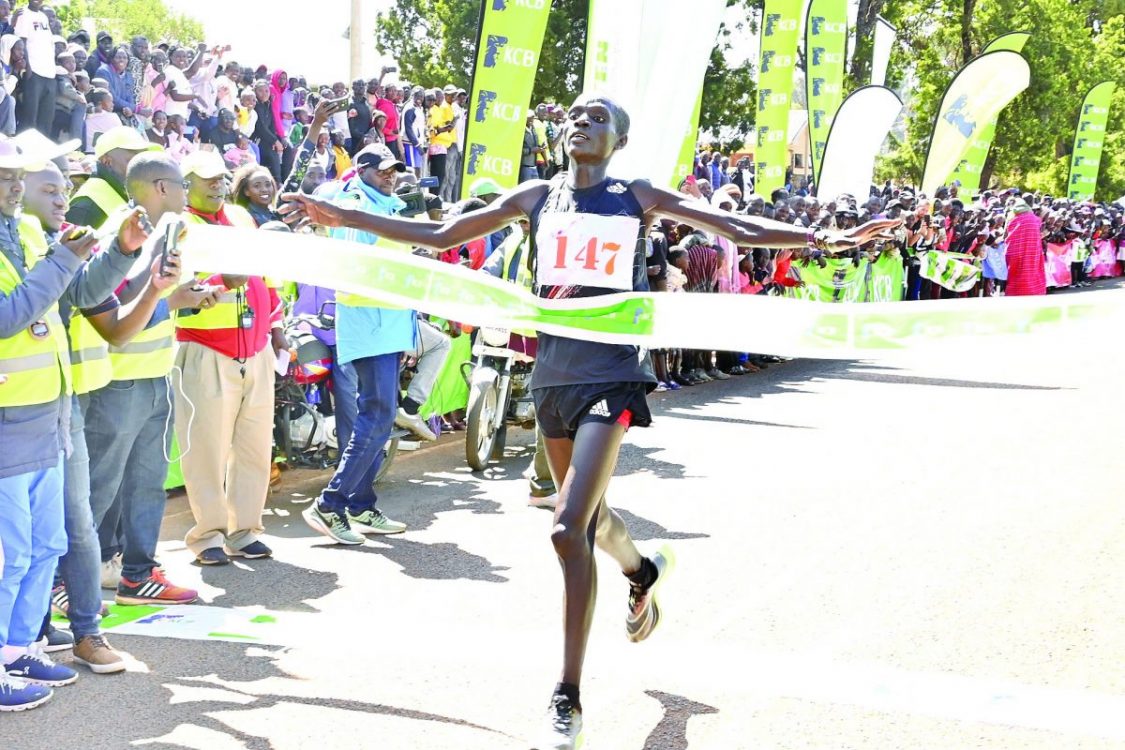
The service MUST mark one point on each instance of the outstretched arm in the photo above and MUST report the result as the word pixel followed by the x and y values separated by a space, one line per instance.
pixel 300 210
pixel 747 231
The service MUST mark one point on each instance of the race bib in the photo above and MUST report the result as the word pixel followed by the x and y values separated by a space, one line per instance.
pixel 586 250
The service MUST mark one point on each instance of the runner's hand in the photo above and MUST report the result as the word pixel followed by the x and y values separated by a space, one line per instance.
pixel 299 210
pixel 861 235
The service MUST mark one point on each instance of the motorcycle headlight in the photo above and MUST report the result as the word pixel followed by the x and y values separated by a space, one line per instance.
pixel 497 337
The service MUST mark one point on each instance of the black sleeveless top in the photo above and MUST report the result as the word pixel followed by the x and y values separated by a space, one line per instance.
pixel 568 361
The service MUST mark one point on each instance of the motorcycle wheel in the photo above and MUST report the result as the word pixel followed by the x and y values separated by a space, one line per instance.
pixel 480 435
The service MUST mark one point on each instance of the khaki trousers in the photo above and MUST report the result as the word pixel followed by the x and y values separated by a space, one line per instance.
pixel 227 444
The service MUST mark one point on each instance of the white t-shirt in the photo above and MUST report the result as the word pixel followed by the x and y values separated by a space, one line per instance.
pixel 226 93
pixel 36 29
pixel 173 76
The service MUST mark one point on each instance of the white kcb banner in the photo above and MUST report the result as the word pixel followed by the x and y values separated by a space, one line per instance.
pixel 586 250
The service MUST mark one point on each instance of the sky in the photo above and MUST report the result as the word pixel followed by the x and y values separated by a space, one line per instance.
pixel 288 33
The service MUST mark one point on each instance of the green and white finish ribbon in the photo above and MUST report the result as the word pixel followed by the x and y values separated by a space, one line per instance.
pixel 787 327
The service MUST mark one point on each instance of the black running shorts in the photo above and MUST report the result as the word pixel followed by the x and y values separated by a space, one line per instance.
pixel 560 410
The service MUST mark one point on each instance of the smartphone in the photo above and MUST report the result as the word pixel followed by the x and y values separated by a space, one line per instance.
pixel 171 248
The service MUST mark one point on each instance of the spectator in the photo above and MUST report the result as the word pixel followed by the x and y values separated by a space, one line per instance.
pixel 101 119
pixel 441 133
pixel 103 54
pixel 121 85
pixel 385 104
pixel 158 132
pixel 359 116
pixel 529 157
pixel 178 92
pixel 137 66
pixel 1026 274
pixel 227 353
pixel 38 110
pixel 266 134
pixel 240 154
pixel 253 188
pixel 70 105
pixel 180 142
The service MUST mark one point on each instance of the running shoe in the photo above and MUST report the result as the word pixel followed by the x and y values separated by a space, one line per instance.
pixel 661 387
pixel 564 726
pixel 374 522
pixel 153 590
pixel 21 695
pixel 94 651
pixel 543 501
pixel 701 376
pixel 716 374
pixel 56 640
pixel 60 601
pixel 37 668
pixel 252 551
pixel 644 611
pixel 213 556
pixel 415 424
pixel 111 572
pixel 673 385
pixel 333 525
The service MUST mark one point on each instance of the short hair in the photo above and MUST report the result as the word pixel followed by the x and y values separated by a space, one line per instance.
pixel 97 96
pixel 621 121
pixel 147 167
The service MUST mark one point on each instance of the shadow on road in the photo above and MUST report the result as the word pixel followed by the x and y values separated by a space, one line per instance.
pixel 671 732
pixel 644 530
pixel 441 561
pixel 242 590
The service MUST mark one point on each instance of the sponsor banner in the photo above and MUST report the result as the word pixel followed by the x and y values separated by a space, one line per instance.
pixel 628 59
pixel 391 274
pixel 686 161
pixel 971 168
pixel 1057 264
pixel 843 280
pixel 976 95
pixel 198 622
pixel 948 270
pixel 882 45
pixel 1089 140
pixel 857 134
pixel 826 41
pixel 511 38
pixel 781 22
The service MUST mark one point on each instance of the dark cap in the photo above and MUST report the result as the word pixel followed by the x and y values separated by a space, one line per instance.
pixel 379 156
pixel 103 35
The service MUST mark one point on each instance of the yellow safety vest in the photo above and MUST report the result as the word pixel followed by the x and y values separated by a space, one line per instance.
pixel 38 369
pixel 225 314
pixel 102 194
pixel 89 353
pixel 522 279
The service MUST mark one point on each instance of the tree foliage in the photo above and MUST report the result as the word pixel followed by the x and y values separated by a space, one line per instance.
pixel 730 93
pixel 1074 45
pixel 128 18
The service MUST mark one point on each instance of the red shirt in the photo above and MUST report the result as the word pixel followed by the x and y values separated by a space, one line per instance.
pixel 390 127
pixel 236 342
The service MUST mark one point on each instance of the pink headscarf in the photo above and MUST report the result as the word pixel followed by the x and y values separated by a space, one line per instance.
pixel 275 101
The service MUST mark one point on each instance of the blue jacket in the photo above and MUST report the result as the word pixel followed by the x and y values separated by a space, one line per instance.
pixel 370 331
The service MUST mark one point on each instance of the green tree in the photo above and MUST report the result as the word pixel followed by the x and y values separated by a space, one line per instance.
pixel 128 18
pixel 729 94
pixel 1072 47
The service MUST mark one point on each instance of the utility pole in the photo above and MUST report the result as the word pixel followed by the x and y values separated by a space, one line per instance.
pixel 355 36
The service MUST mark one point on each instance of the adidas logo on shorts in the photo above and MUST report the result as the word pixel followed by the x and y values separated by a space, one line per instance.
pixel 600 409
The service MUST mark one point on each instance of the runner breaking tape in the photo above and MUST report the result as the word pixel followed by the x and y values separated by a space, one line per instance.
pixel 587 240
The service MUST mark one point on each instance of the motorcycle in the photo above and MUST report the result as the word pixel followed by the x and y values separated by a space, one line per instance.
pixel 303 433
pixel 499 395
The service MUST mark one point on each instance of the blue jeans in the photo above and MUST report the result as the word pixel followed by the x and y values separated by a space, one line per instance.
pixel 352 487
pixel 80 567
pixel 129 431
pixel 33 537
pixel 344 386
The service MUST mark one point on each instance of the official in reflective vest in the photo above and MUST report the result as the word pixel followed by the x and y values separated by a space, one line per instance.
pixel 224 410
pixel 105 192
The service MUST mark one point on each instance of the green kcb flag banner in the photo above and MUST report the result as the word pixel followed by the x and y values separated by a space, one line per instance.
pixel 1089 140
pixel 826 42
pixel 780 24
pixel 511 38
pixel 687 150
pixel 976 95
pixel 844 280
pixel 948 270
pixel 971 169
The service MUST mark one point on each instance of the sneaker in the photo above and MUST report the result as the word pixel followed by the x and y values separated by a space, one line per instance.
pixel 716 374
pixel 37 668
pixel 673 385
pixel 60 600
pixel 738 370
pixel 94 651
pixel 644 612
pixel 564 722
pixel 213 556
pixel 415 424
pixel 154 590
pixel 56 640
pixel 252 551
pixel 111 572
pixel 21 695
pixel 661 387
pixel 333 525
pixel 543 501
pixel 374 522
pixel 701 376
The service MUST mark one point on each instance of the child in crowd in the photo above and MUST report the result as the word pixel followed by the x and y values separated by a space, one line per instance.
pixel 239 155
pixel 247 118
pixel 300 126
pixel 158 133
pixel 179 145
pixel 101 117
pixel 341 161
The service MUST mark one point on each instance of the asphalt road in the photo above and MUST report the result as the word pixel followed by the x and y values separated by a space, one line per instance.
pixel 926 553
